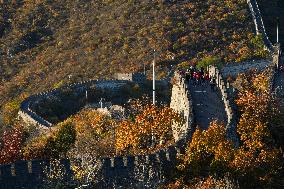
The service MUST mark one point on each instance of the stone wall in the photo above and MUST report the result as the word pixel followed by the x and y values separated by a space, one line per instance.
pixel 181 103
pixel 31 117
pixel 242 67
pixel 123 171
pixel 258 22
pixel 231 126
pixel 234 70
pixel 136 77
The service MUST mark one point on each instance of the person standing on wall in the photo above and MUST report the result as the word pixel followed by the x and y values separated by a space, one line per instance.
pixel 213 83
pixel 194 76
pixel 206 78
pixel 202 79
pixel 187 76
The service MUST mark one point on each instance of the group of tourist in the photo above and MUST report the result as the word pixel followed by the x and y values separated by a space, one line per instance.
pixel 198 77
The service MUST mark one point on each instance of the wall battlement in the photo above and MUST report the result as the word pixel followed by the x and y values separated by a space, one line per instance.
pixel 259 25
pixel 231 116
pixel 36 167
pixel 31 117
pixel 29 174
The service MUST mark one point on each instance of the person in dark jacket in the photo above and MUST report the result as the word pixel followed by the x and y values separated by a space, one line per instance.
pixel 213 83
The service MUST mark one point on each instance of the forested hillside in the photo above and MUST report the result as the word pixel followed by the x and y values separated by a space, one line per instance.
pixel 45 44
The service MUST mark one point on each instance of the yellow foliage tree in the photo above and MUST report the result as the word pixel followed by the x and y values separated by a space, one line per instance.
pixel 146 131
pixel 209 150
pixel 95 134
pixel 256 159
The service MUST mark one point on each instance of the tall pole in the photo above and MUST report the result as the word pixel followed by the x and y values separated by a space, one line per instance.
pixel 101 103
pixel 277 29
pixel 154 87
pixel 154 95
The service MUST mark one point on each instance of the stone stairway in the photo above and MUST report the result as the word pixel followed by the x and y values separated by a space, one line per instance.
pixel 207 105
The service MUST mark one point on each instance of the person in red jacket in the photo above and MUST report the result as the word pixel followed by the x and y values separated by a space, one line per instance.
pixel 194 77
pixel 207 78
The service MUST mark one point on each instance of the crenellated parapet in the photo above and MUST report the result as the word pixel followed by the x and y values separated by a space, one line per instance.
pixel 122 170
pixel 29 116
pixel 258 22
pixel 231 116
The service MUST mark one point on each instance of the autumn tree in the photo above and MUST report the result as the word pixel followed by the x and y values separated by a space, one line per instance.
pixel 95 134
pixel 257 160
pixel 62 141
pixel 209 152
pixel 208 183
pixel 10 145
pixel 148 129
pixel 95 139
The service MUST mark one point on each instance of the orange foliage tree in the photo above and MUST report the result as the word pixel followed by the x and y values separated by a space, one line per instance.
pixel 95 134
pixel 257 159
pixel 209 150
pixel 150 128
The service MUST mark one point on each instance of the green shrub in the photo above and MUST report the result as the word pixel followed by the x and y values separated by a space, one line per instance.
pixel 62 141
pixel 209 60
pixel 53 146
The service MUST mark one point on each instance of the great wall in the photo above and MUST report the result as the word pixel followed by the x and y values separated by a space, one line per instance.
pixel 31 117
pixel 116 169
pixel 185 99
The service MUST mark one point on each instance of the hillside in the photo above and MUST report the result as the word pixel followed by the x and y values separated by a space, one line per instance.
pixel 45 44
